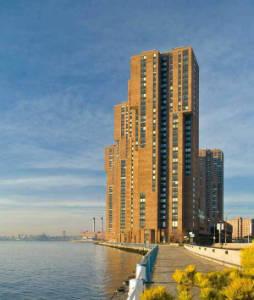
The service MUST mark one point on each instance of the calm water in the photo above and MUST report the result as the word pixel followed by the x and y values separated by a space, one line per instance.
pixel 61 270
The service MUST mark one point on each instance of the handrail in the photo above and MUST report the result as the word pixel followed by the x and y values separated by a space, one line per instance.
pixel 143 273
pixel 134 245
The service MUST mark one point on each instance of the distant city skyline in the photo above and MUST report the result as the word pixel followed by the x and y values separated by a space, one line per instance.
pixel 64 65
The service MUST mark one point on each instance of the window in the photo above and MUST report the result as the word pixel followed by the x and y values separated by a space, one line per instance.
pixel 174 224
pixel 110 207
pixel 122 194
pixel 187 145
pixel 142 210
pixel 143 102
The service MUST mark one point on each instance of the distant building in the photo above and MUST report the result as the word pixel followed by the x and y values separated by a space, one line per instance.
pixel 91 235
pixel 152 169
pixel 211 182
pixel 242 228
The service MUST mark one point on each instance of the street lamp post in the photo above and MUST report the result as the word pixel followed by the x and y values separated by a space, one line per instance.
pixel 220 227
pixel 214 237
pixel 219 233
pixel 225 229
pixel 215 219
pixel 212 221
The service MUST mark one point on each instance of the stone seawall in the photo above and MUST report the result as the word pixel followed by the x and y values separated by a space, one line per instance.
pixel 141 249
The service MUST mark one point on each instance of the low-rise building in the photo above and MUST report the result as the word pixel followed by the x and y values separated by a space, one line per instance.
pixel 242 228
pixel 91 235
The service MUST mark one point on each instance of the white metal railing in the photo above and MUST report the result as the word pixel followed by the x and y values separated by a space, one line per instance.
pixel 143 274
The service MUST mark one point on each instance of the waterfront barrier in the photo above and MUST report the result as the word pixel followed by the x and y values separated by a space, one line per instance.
pixel 130 247
pixel 224 256
pixel 143 274
pixel 235 246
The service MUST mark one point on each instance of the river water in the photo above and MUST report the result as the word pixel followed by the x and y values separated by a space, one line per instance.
pixel 62 270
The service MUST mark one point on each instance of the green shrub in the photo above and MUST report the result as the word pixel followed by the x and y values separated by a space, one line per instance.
pixel 208 293
pixel 185 277
pixel 247 257
pixel 218 280
pixel 156 293
pixel 185 280
pixel 184 294
pixel 229 284
pixel 240 289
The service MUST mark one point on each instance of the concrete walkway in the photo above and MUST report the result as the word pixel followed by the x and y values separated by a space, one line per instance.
pixel 171 258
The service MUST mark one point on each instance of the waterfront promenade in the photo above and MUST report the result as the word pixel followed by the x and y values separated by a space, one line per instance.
pixel 171 258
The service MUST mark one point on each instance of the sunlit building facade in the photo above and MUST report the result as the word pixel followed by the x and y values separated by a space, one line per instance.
pixel 242 228
pixel 152 168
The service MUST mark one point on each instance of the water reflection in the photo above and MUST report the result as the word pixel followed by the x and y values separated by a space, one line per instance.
pixel 119 265
pixel 62 270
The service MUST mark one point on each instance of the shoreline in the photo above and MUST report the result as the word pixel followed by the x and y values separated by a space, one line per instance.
pixel 128 248
pixel 122 292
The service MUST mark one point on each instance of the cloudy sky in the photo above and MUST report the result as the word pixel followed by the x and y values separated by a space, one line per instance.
pixel 65 63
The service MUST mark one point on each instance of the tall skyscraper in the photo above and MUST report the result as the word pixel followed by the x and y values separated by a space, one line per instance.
pixel 152 169
pixel 211 164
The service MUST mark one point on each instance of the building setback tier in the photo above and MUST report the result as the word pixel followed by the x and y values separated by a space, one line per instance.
pixel 152 169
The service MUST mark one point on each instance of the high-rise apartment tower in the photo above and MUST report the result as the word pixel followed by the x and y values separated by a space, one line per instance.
pixel 152 169
pixel 211 164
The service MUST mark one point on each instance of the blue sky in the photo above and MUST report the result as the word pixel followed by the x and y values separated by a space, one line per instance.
pixel 64 64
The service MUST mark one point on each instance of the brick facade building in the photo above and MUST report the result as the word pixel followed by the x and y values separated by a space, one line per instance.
pixel 152 169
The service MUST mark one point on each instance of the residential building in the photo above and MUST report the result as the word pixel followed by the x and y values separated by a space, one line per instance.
pixel 211 182
pixel 152 169
pixel 242 228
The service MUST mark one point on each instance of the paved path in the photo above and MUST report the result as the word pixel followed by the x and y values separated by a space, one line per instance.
pixel 171 258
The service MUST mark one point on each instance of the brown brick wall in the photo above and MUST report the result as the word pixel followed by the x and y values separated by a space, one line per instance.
pixel 139 160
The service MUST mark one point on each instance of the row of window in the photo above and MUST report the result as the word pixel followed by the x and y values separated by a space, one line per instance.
pixel 110 158
pixel 170 80
pixel 122 121
pixel 122 194
pixel 132 182
pixel 130 128
pixel 187 145
pixel 126 121
pixel 174 177
pixel 154 123
pixel 136 127
pixel 179 81
pixel 110 207
pixel 163 139
pixel 195 86
pixel 143 102
pixel 142 210
pixel 183 77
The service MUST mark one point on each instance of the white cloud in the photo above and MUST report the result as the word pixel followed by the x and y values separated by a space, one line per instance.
pixel 26 203
pixel 57 131
pixel 52 181
pixel 57 92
